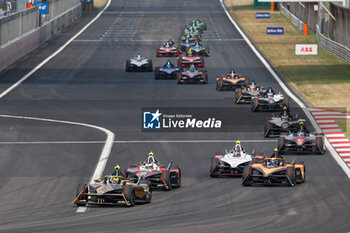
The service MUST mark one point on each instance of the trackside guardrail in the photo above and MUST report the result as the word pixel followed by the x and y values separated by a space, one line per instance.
pixel 332 46
pixel 292 18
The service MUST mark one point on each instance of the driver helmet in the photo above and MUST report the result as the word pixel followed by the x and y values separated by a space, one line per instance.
pixel 187 40
pixel 168 64
pixel 274 162
pixel 189 53
pixel 197 44
pixel 270 92
pixel 139 57
pixel 167 44
pixel 192 68
pixel 252 85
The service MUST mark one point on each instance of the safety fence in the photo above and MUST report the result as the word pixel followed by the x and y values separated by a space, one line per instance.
pixel 26 39
pixel 332 46
pixel 292 18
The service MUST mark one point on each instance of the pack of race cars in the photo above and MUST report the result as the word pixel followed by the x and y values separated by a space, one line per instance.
pixel 136 183
pixel 188 50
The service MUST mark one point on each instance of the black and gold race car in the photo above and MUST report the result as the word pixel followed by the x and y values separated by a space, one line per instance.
pixel 113 190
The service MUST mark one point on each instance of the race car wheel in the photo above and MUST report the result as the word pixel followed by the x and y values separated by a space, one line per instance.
pixel 320 144
pixel 280 144
pixel 238 93
pixel 246 81
pixel 267 128
pixel 291 175
pixel 286 102
pixel 299 176
pixel 213 165
pixel 81 188
pixel 127 66
pixel 129 194
pixel 179 79
pixel 205 78
pixel 220 84
pixel 246 179
pixel 166 179
pixel 254 104
pixel 177 182
pixel 150 65
pixel 156 73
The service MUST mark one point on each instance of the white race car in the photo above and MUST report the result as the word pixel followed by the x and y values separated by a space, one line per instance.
pixel 269 101
pixel 138 63
pixel 232 162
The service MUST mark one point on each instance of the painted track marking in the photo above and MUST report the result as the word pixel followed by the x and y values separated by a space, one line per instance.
pixel 110 136
pixel 334 154
pixel 138 141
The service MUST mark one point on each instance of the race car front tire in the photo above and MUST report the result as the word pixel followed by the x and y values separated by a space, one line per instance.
pixel 81 188
pixel 166 179
pixel 246 179
pixel 150 65
pixel 213 164
pixel 129 194
pixel 238 93
pixel 156 73
pixel 127 66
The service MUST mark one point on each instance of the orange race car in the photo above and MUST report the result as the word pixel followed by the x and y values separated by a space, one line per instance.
pixel 274 171
pixel 231 81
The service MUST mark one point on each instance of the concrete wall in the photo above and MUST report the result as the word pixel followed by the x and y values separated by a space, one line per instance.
pixel 308 15
pixel 24 44
pixel 339 29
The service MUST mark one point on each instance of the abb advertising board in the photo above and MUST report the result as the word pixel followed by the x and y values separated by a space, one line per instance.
pixel 306 49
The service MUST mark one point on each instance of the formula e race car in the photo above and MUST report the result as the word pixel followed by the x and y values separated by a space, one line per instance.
pixel 190 37
pixel 231 81
pixel 113 190
pixel 200 50
pixel 283 123
pixel 191 32
pixel 244 95
pixel 272 171
pixel 192 75
pixel 167 49
pixel 184 45
pixel 158 175
pixel 231 163
pixel 198 25
pixel 138 64
pixel 301 141
pixel 190 59
pixel 268 101
pixel 168 71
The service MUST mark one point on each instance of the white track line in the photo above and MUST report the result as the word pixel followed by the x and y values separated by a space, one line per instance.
pixel 54 54
pixel 134 141
pixel 110 136
pixel 334 154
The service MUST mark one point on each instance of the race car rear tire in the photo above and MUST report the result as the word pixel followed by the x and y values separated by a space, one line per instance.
pixel 299 176
pixel 206 78
pixel 246 179
pixel 254 104
pixel 150 65
pixel 81 188
pixel 291 175
pixel 238 93
pixel 127 66
pixel 280 144
pixel 156 73
pixel 246 82
pixel 129 194
pixel 267 127
pixel 166 179
pixel 320 144
pixel 220 84
pixel 178 182
pixel 213 164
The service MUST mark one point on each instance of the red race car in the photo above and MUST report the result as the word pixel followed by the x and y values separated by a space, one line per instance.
pixel 168 49
pixel 189 59
pixel 156 174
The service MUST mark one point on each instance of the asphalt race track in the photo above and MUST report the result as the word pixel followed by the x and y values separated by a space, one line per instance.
pixel 41 162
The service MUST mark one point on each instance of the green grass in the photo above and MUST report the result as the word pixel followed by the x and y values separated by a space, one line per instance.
pixel 322 79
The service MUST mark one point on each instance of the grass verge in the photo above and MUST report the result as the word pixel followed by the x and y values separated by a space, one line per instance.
pixel 323 79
